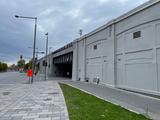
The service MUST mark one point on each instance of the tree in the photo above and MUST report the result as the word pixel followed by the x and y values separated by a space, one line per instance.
pixel 28 65
pixel 21 62
pixel 3 67
pixel 0 66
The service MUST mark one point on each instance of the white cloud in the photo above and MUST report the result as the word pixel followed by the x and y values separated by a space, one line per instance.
pixel 46 12
pixel 41 28
pixel 74 13
pixel 105 1
pixel 61 18
pixel 123 1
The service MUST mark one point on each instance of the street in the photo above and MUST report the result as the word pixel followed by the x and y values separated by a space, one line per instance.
pixel 42 100
pixel 9 78
pixel 13 78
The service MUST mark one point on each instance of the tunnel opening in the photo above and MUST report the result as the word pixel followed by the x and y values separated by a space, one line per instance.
pixel 63 65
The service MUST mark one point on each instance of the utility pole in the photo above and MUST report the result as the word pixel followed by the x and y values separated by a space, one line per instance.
pixel 49 57
pixel 34 42
pixel 45 76
pixel 37 53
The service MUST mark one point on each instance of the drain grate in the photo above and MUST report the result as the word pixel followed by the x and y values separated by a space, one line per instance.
pixel 6 93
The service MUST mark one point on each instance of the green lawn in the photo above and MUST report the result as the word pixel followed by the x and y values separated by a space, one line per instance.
pixel 82 106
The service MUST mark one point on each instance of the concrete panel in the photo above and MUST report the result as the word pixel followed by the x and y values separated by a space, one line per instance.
pixel 101 35
pixel 75 62
pixel 51 68
pixel 136 69
pixel 105 71
pixel 81 60
pixel 98 52
pixel 141 43
pixel 65 51
pixel 137 72
pixel 140 76
pixel 94 69
pixel 103 56
pixel 120 71
pixel 120 44
pixel 42 68
pixel 158 66
pixel 158 34
pixel 144 16
pixel 138 56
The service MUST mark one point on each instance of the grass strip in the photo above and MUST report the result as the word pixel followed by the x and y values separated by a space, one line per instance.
pixel 83 106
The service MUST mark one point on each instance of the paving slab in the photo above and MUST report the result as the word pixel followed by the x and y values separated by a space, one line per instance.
pixel 41 100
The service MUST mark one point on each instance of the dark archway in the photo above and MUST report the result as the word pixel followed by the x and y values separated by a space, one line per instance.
pixel 63 65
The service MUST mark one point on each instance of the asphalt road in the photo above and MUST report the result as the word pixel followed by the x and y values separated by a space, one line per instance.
pixel 12 78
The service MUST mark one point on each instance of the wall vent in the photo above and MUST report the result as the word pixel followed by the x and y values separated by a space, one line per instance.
pixel 136 34
pixel 95 47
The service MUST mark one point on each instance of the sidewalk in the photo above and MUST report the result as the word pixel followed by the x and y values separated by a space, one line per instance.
pixel 38 101
pixel 136 102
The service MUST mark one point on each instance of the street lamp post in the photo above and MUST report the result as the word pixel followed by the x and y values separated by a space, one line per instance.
pixel 34 42
pixel 80 32
pixel 37 54
pixel 45 76
pixel 49 57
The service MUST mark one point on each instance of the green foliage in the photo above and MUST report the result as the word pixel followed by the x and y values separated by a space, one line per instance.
pixel 28 65
pixel 3 67
pixel 21 63
pixel 82 106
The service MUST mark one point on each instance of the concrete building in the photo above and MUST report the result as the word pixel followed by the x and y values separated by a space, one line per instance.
pixel 124 53
pixel 59 62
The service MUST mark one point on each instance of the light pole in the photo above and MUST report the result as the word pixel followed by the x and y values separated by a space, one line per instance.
pixel 37 54
pixel 45 76
pixel 34 42
pixel 49 57
pixel 80 32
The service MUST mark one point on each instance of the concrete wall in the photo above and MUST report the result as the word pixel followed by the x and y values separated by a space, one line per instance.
pixel 41 67
pixel 137 59
pixel 75 61
pixel 120 60
pixel 95 62
pixel 100 60
pixel 53 70
pixel 81 60
pixel 124 53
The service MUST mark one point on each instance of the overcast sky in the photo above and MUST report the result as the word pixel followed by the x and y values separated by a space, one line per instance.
pixel 60 18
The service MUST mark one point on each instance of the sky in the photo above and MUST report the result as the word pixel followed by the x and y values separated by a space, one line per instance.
pixel 62 19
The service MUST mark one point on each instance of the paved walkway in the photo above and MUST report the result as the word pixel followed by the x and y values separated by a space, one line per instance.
pixel 136 102
pixel 38 101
